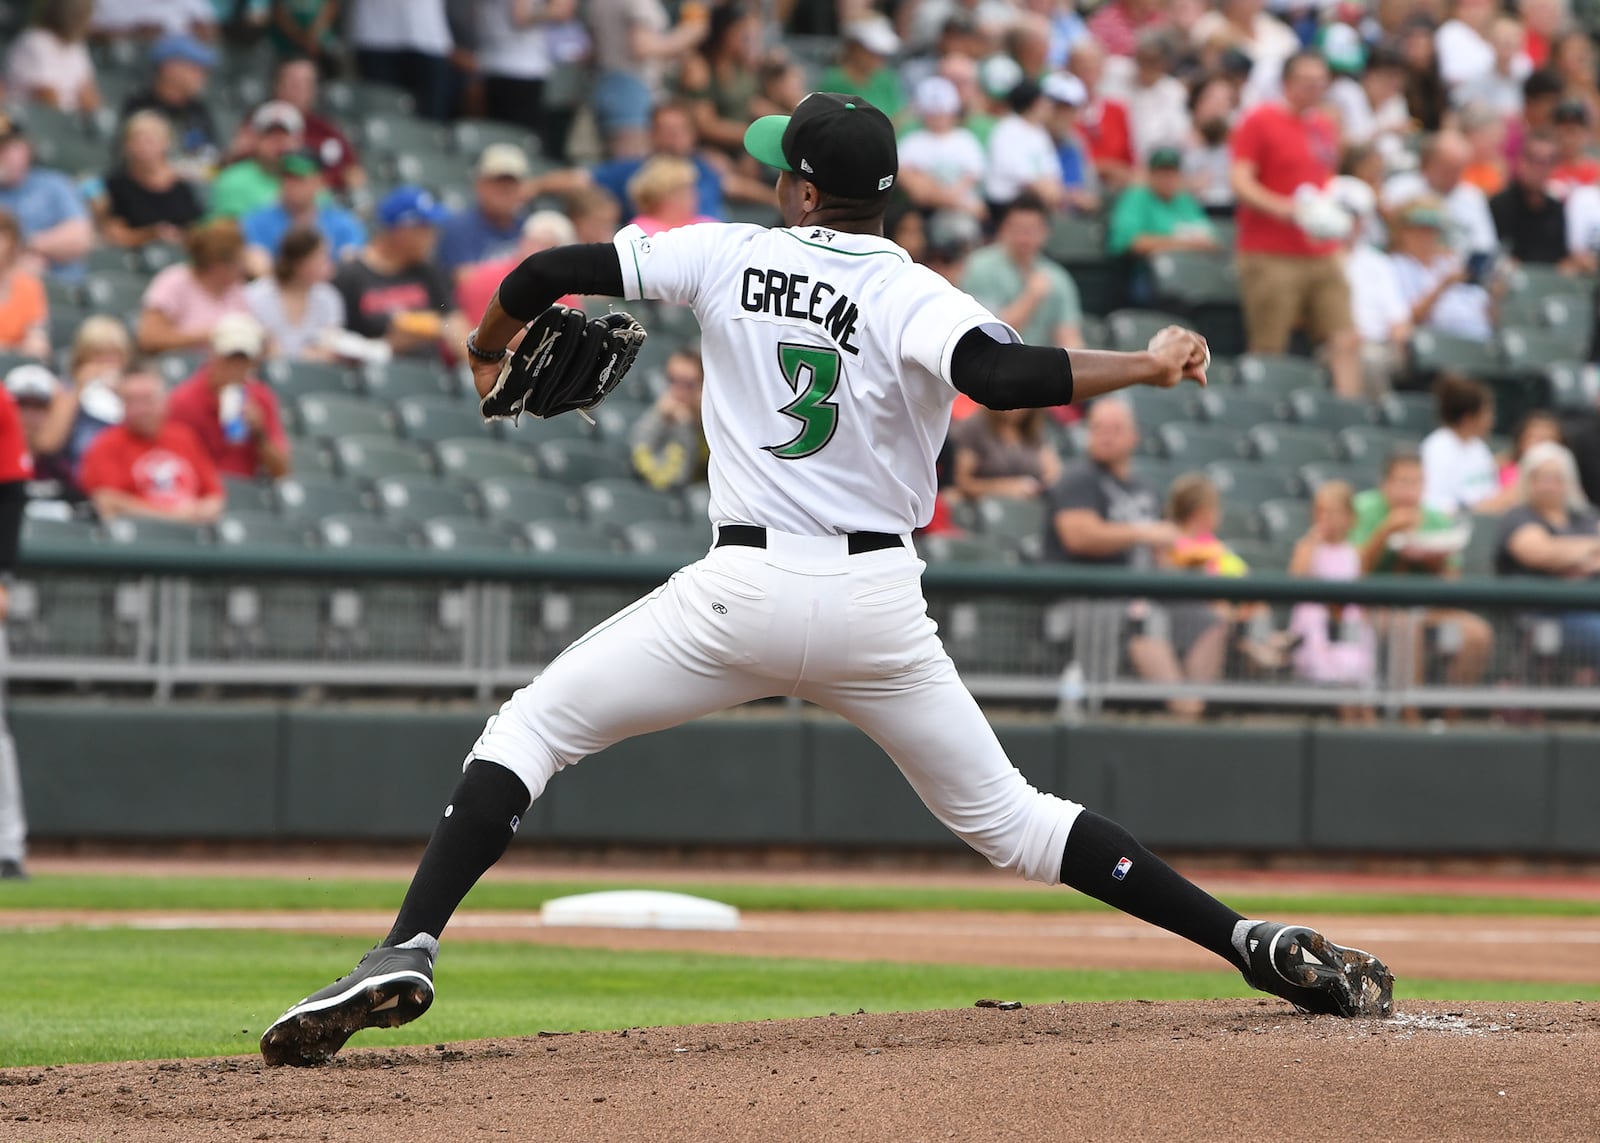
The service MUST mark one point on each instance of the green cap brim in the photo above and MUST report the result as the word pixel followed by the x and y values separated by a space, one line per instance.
pixel 764 140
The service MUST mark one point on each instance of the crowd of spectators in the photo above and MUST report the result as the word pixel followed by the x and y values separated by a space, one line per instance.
pixel 1368 171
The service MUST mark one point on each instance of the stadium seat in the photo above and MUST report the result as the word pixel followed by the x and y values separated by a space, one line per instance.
pixel 470 136
pixel 1198 445
pixel 42 532
pixel 117 292
pixel 697 502
pixel 335 415
pixel 963 550
pixel 10 360
pixel 157 256
pixel 473 458
pixel 619 501
pixel 369 532
pixel 1409 410
pixel 1160 472
pixel 1238 519
pixel 433 419
pixel 573 536
pixel 1133 329
pixel 410 377
pixel 1009 519
pixel 134 530
pixel 469 534
pixel 1290 446
pixel 1373 443
pixel 247 529
pixel 308 496
pixel 373 457
pixel 570 427
pixel 1572 386
pixel 1251 483
pixel 1280 373
pixel 295 379
pixel 389 133
pixel 1279 520
pixel 1433 353
pixel 1237 406
pixel 1260 555
pixel 245 495
pixel 1358 474
pixel 109 259
pixel 176 368
pixel 1079 246
pixel 578 462
pixel 677 539
pixel 517 498
pixel 1527 350
pixel 413 499
pixel 1478 556
pixel 1321 409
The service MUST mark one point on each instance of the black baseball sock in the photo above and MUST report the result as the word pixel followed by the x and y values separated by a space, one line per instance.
pixel 1103 860
pixel 477 826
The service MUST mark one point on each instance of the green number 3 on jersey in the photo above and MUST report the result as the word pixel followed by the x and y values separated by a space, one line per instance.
pixel 813 374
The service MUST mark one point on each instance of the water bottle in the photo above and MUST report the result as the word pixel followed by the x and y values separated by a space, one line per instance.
pixel 1070 695
pixel 230 411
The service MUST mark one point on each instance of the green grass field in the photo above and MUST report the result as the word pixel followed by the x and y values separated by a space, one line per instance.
pixel 77 996
pixel 75 891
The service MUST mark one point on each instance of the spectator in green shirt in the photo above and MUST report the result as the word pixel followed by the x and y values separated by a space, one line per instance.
pixel 1023 288
pixel 250 184
pixel 864 68
pixel 1392 533
pixel 1158 216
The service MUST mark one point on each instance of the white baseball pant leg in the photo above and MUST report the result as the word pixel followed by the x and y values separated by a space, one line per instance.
pixel 801 617
pixel 13 823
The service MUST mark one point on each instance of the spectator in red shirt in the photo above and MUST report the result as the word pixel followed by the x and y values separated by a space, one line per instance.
pixel 1287 278
pixel 150 466
pixel 1117 25
pixel 296 84
pixel 1103 122
pixel 234 415
pixel 1575 166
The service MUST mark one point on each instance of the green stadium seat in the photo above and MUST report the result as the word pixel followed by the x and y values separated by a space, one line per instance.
pixel 469 534
pixel 620 501
pixel 963 550
pixel 245 495
pixel 413 499
pixel 1290 446
pixel 433 419
pixel 294 379
pixel 1133 329
pixel 390 133
pixel 10 360
pixel 117 292
pixel 410 377
pixel 1478 556
pixel 141 532
pixel 1188 278
pixel 109 259
pixel 473 458
pixel 310 455
pixel 570 427
pixel 176 368
pixel 578 462
pixel 335 415
pixel 43 532
pixel 470 136
pixel 373 457
pixel 1572 312
pixel 517 498
pixel 1279 520
pixel 1152 407
pixel 1528 350
pixel 308 496
pixel 1280 373
pixel 1160 472
pixel 1237 406
pixel 1322 409
pixel 1358 474
pixel 677 539
pixel 365 532
pixel 1248 483
pixel 1410 410
pixel 1372 443
pixel 1532 279
pixel 1009 519
pixel 1198 445
pixel 157 256
pixel 1096 334
pixel 1079 246
pixel 1238 519
pixel 572 536
pixel 697 502
pixel 1433 353
pixel 1572 386
pixel 255 529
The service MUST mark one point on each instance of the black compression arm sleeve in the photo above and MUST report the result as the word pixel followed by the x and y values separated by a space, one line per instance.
pixel 536 283
pixel 13 499
pixel 1003 376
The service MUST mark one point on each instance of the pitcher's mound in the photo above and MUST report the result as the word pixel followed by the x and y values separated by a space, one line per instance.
pixel 1201 1070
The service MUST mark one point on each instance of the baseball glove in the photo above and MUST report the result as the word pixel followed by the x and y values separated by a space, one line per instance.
pixel 566 362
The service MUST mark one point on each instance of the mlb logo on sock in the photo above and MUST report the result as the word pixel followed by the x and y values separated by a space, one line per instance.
pixel 1122 867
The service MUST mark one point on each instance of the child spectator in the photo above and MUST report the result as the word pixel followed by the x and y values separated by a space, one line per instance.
pixel 150 466
pixel 233 413
pixel 1157 101
pixel 1195 506
pixel 296 303
pixel 184 302
pixel 24 308
pixel 146 200
pixel 668 442
pixel 1337 643
pixel 1004 453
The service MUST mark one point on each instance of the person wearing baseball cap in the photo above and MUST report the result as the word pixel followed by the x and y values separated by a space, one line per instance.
pixel 942 163
pixel 1156 216
pixel 52 222
pixel 183 66
pixel 836 153
pixel 233 412
pixel 276 131
pixel 864 65
pixel 301 203
pixel 1022 153
pixel 492 225
pixel 393 290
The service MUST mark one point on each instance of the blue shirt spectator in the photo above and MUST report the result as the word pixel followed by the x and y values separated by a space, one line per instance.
pixel 303 203
pixel 492 226
pixel 47 206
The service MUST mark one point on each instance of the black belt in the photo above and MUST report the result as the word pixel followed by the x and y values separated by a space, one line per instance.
pixel 857 543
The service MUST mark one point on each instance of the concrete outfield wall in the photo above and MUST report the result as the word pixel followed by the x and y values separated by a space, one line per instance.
pixel 377 773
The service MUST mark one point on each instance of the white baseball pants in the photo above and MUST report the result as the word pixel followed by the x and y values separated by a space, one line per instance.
pixel 800 617
pixel 13 824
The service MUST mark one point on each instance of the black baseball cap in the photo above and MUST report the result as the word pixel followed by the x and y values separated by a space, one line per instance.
pixel 841 143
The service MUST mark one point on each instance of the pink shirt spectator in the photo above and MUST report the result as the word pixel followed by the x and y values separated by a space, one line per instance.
pixel 190 307
pixel 478 285
pixel 1338 645
pixel 1118 29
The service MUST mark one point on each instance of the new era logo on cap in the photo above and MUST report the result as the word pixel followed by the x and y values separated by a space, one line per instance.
pixel 805 166
pixel 1121 869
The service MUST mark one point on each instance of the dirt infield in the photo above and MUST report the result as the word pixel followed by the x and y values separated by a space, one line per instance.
pixel 1189 1071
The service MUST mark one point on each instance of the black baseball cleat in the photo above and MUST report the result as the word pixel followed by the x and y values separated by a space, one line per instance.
pixel 12 871
pixel 1316 975
pixel 390 987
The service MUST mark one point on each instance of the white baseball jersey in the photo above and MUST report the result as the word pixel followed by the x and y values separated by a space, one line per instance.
pixel 827 369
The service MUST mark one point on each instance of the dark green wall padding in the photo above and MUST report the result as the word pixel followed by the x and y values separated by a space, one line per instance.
pixel 265 772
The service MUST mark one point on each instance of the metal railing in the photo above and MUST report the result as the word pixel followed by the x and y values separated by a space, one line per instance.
pixel 168 618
